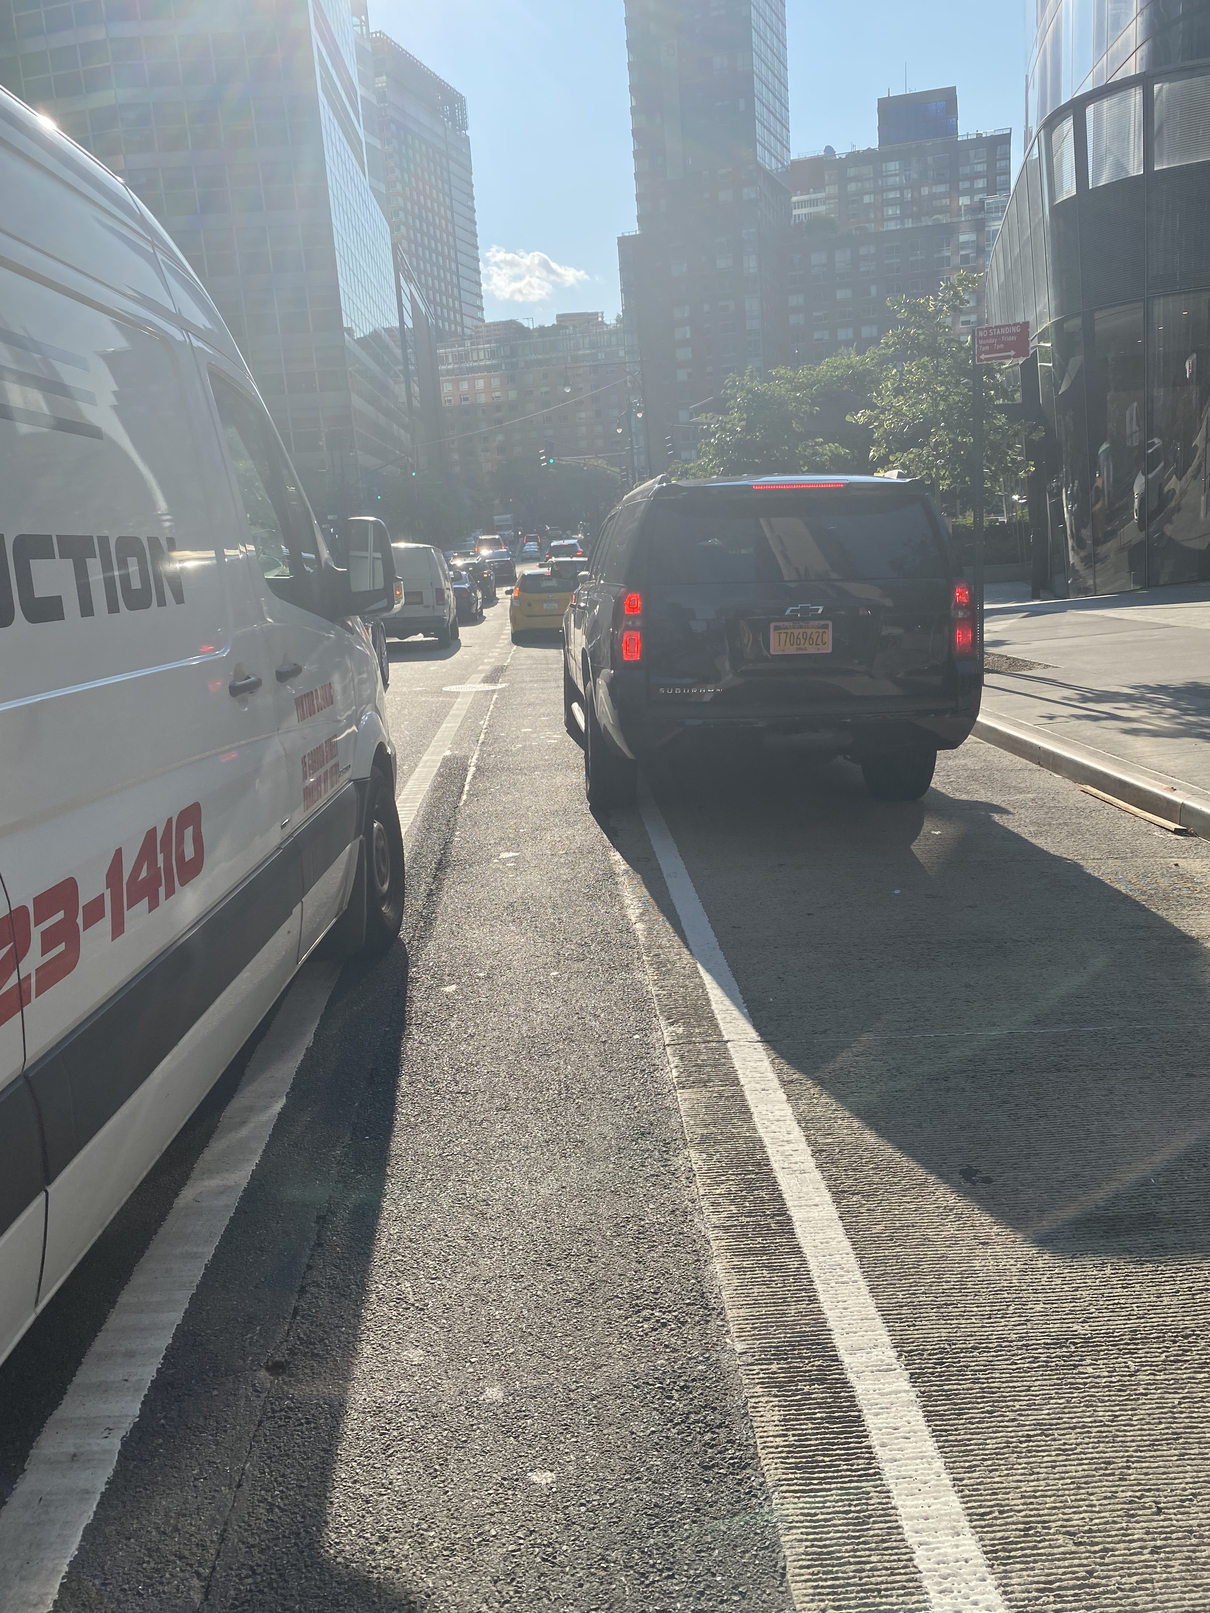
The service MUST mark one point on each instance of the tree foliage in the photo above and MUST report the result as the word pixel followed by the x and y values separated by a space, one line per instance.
pixel 921 414
pixel 907 404
pixel 573 497
pixel 797 420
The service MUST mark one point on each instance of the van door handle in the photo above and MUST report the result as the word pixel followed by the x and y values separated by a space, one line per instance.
pixel 248 684
pixel 287 670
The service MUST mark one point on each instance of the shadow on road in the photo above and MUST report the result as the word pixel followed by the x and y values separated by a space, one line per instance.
pixel 1029 1032
pixel 228 1468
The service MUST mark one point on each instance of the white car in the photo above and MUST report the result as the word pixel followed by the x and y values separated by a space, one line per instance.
pixel 198 782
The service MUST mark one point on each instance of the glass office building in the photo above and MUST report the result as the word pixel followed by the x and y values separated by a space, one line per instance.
pixel 241 127
pixel 1105 249
pixel 429 186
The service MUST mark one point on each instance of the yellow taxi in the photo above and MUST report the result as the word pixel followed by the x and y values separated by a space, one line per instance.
pixel 541 597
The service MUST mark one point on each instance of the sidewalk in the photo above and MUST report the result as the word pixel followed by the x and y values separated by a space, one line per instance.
pixel 1112 691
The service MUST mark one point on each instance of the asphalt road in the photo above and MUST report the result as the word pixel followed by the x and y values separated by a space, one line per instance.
pixel 523 1306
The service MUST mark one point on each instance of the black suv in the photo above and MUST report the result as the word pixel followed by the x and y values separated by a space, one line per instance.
pixel 829 607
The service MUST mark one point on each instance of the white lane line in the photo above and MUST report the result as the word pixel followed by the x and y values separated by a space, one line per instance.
pixel 75 1455
pixel 491 706
pixel 956 1575
pixel 411 797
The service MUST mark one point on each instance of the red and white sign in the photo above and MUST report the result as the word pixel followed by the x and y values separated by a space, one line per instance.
pixel 1002 344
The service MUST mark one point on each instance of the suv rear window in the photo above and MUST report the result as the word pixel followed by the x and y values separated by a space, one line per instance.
pixel 843 537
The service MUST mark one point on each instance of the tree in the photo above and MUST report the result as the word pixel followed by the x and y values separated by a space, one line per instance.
pixel 432 507
pixel 921 414
pixel 573 497
pixel 796 420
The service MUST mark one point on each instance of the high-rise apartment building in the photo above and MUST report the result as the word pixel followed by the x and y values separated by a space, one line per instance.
pixel 891 221
pixel 703 284
pixel 430 192
pixel 241 128
pixel 562 390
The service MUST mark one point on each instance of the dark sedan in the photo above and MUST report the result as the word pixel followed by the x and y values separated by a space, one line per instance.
pixel 503 564
pixel 466 597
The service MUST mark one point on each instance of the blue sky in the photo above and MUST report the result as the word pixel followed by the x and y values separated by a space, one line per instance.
pixel 549 112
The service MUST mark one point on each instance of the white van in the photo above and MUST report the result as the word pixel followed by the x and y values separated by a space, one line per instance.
pixel 428 604
pixel 197 780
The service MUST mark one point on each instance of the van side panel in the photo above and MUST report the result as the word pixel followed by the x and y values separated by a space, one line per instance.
pixel 105 1171
pixel 140 792
pixel 20 1263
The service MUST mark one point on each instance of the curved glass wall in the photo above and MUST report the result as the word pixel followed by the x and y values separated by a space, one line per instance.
pixel 1081 44
pixel 1105 249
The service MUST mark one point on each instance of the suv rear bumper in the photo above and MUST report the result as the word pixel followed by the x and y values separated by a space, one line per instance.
pixel 640 725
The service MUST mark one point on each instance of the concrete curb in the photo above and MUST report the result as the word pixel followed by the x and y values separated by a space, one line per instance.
pixel 1167 798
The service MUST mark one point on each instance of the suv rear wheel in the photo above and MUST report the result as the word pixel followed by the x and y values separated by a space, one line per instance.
pixel 899 775
pixel 610 779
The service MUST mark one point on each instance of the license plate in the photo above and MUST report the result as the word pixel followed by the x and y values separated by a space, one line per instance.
pixel 550 604
pixel 800 638
pixel 413 597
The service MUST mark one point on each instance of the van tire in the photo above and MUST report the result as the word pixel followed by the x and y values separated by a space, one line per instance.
pixel 571 698
pixel 445 636
pixel 455 629
pixel 384 867
pixel 610 779
pixel 899 775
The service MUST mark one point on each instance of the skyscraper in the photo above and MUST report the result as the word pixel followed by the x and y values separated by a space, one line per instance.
pixel 241 128
pixel 430 192
pixel 703 282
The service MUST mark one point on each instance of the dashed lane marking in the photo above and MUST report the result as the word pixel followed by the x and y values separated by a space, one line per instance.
pixel 955 1574
pixel 75 1455
pixel 411 797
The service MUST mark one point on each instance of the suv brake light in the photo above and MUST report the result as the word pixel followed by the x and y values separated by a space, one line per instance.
pixel 797 487
pixel 628 629
pixel 962 616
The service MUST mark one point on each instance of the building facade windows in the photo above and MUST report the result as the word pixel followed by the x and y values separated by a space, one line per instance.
pixel 1105 249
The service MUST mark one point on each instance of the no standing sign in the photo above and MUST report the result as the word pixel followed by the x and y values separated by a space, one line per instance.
pixel 1002 344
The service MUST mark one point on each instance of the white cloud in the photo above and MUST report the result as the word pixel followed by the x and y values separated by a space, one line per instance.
pixel 525 276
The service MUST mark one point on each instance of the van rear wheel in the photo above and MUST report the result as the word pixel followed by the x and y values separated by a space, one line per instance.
pixel 444 636
pixel 384 867
pixel 610 779
pixel 899 775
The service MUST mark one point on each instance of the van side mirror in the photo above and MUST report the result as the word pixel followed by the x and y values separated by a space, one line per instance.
pixel 367 584
pixel 582 577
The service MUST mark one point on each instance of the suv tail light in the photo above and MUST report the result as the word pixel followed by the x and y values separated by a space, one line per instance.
pixel 962 617
pixel 628 629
